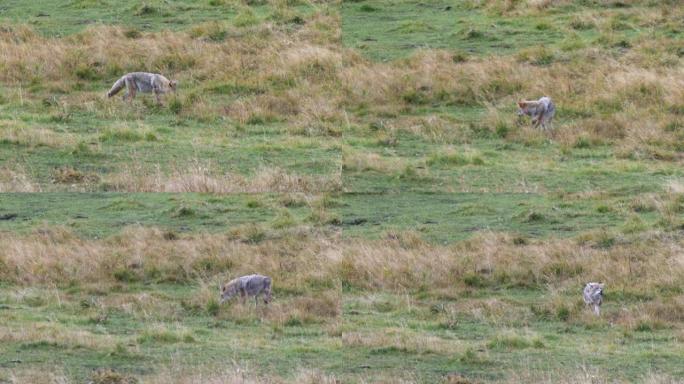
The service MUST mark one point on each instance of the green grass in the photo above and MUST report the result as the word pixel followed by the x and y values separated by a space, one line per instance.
pixel 502 166
pixel 103 214
pixel 185 336
pixel 389 30
pixel 445 218
pixel 139 348
pixel 490 348
pixel 61 17
pixel 438 217
pixel 160 140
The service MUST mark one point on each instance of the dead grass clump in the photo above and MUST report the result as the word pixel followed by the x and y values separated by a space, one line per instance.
pixel 210 31
pixel 369 161
pixel 68 175
pixel 400 339
pixel 669 310
pixel 515 339
pixel 161 333
pixel 311 62
pixel 34 376
pixel 199 177
pixel 647 141
pixel 434 128
pixel 13 178
pixel 577 374
pixel 325 305
pixel 110 376
pixel 494 311
pixel 633 270
pixel 137 253
pixel 49 333
pixel 266 55
pixel 235 375
pixel 18 33
pixel 140 306
pixel 399 267
pixel 450 156
pixel 559 307
pixel 20 134
pixel 293 200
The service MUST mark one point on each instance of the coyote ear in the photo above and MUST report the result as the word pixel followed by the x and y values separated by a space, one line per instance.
pixel 521 103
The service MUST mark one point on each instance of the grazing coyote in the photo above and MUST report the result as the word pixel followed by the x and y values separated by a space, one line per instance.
pixel 251 285
pixel 541 111
pixel 593 295
pixel 143 82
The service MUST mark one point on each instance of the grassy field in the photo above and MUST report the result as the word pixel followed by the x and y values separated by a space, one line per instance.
pixel 387 30
pixel 367 156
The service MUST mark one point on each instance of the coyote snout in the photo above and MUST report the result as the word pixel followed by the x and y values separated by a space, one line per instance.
pixel 143 82
pixel 541 111
pixel 251 285
pixel 593 295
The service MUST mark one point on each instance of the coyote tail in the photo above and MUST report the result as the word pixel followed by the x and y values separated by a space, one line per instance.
pixel 118 86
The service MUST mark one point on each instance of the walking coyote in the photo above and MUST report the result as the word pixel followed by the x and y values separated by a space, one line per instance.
pixel 251 285
pixel 593 295
pixel 541 111
pixel 143 82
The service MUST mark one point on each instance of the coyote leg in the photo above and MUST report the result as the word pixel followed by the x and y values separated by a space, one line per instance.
pixel 130 86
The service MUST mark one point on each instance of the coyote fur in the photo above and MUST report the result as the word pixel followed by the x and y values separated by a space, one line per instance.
pixel 541 111
pixel 251 285
pixel 593 295
pixel 143 82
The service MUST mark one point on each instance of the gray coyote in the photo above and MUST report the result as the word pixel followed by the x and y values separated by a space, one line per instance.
pixel 143 82
pixel 593 295
pixel 541 111
pixel 251 285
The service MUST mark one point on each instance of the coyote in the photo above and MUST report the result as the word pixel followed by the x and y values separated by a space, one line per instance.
pixel 143 82
pixel 593 295
pixel 541 111
pixel 251 285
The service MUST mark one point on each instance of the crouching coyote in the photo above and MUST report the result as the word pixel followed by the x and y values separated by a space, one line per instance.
pixel 541 111
pixel 593 295
pixel 251 285
pixel 143 82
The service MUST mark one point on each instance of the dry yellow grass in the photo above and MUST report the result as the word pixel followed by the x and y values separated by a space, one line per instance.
pixel 234 374
pixel 14 178
pixel 307 80
pixel 194 175
pixel 53 333
pixel 21 134
pixel 402 340
pixel 364 161
pixel 198 176
pixel 634 268
pixel 625 99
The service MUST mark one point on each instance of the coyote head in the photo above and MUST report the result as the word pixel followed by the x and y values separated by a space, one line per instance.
pixel 228 291
pixel 593 292
pixel 525 107
pixel 173 85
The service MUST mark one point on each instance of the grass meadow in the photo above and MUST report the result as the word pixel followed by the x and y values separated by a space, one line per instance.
pixel 366 154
